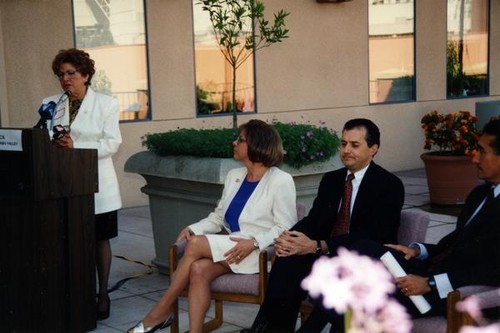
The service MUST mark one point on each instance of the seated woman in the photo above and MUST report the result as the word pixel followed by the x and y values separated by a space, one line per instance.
pixel 257 205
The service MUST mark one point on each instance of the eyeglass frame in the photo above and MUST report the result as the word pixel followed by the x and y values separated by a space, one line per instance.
pixel 71 74
pixel 239 139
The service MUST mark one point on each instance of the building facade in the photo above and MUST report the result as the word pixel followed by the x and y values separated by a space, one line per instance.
pixel 320 73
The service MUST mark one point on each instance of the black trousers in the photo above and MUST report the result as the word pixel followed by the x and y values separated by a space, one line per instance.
pixel 284 293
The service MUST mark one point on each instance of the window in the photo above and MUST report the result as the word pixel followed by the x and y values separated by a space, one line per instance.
pixel 113 33
pixel 467 48
pixel 391 51
pixel 214 74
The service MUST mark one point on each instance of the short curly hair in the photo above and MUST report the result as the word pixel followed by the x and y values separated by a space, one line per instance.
pixel 78 58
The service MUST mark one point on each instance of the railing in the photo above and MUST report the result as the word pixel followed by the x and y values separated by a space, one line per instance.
pixel 133 105
pixel 104 6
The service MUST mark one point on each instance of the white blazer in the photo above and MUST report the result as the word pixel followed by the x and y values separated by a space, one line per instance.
pixel 270 210
pixel 95 127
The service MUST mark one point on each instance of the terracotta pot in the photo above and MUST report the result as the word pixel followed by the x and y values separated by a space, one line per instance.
pixel 450 178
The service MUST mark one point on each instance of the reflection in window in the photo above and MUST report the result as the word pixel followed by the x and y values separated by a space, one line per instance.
pixel 467 48
pixel 214 74
pixel 113 33
pixel 391 51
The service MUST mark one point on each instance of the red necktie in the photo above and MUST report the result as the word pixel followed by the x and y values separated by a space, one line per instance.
pixel 341 225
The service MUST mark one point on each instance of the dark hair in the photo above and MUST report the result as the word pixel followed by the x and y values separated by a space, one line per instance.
pixel 264 143
pixel 78 58
pixel 372 132
pixel 493 128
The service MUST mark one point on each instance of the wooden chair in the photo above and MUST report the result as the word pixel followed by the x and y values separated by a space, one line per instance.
pixel 241 288
pixel 489 297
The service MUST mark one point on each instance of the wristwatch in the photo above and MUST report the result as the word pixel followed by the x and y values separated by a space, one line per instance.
pixel 319 249
pixel 255 243
pixel 432 283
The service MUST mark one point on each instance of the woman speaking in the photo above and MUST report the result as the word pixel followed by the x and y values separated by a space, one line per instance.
pixel 86 119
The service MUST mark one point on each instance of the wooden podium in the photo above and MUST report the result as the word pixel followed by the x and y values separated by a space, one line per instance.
pixel 47 241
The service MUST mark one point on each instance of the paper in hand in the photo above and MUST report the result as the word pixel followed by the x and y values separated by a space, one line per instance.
pixel 397 271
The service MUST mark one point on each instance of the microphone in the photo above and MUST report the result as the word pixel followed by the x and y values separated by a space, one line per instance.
pixel 63 97
pixel 46 111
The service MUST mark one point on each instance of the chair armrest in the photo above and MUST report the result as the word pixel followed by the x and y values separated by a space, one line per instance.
pixel 474 289
pixel 175 251
pixel 489 299
pixel 487 295
pixel 271 252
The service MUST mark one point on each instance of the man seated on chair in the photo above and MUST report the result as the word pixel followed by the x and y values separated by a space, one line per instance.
pixel 467 256
pixel 365 207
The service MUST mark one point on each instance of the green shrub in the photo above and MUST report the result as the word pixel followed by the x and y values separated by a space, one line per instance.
pixel 303 143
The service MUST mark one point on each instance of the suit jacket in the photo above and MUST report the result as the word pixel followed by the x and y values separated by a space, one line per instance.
pixel 474 256
pixel 270 210
pixel 96 127
pixel 375 214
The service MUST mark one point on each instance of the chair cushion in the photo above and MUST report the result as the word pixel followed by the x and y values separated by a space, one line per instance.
pixel 237 283
pixel 429 324
pixel 413 227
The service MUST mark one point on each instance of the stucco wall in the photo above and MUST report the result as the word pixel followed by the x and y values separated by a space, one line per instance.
pixel 319 73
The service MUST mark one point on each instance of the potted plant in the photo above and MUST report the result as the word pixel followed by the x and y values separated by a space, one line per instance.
pixel 451 139
pixel 241 29
pixel 185 170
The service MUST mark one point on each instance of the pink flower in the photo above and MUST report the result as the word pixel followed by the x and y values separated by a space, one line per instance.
pixel 471 306
pixel 394 318
pixel 493 328
pixel 361 284
pixel 343 282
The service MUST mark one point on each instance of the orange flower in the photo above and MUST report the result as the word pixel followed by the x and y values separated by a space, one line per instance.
pixel 453 133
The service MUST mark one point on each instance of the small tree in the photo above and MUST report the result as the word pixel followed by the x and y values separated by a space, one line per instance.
pixel 240 30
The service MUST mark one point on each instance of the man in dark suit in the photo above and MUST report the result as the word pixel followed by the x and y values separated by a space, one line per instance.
pixel 469 255
pixel 373 212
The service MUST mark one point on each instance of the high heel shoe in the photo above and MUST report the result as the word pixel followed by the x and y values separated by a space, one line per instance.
pixel 140 328
pixel 101 315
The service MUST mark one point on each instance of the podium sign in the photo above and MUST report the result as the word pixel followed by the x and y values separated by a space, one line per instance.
pixel 47 251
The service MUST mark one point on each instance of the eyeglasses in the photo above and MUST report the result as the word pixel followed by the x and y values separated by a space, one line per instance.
pixel 239 139
pixel 70 74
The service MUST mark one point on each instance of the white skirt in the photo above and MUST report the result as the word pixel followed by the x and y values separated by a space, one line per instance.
pixel 220 244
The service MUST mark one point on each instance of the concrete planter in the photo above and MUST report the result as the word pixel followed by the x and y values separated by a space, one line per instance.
pixel 185 189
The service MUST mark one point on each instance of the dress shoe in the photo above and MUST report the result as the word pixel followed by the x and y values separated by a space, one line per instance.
pixel 101 315
pixel 140 328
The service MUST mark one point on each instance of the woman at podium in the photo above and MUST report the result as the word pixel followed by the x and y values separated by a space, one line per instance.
pixel 83 118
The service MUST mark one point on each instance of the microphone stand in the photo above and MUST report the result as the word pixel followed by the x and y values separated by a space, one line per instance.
pixel 42 123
